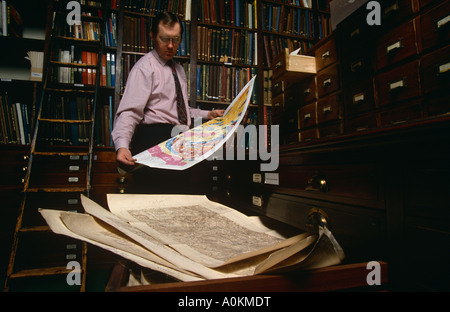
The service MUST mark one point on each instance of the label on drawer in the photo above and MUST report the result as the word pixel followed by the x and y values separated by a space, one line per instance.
pixel 74 168
pixel 257 201
pixel 257 178
pixel 271 178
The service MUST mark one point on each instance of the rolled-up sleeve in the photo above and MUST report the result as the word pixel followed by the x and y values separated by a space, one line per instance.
pixel 132 106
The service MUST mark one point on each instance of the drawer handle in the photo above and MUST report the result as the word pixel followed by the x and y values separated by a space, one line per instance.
pixel 355 66
pixel 317 182
pixel 278 65
pixel 393 47
pixel 316 218
pixel 121 190
pixel 444 69
pixel 122 179
pixel 391 9
pixel 307 91
pixel 325 55
pixel 327 83
pixel 354 33
pixel 358 98
pixel 443 22
pixel 397 85
pixel 307 117
pixel 326 110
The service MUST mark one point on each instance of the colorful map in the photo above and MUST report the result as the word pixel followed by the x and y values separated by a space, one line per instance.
pixel 194 145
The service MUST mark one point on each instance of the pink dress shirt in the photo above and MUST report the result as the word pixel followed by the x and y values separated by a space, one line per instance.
pixel 150 97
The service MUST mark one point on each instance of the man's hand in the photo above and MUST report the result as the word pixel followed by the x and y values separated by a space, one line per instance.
pixel 124 157
pixel 215 113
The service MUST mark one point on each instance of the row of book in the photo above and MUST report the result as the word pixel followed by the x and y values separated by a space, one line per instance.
pixel 111 31
pixel 76 108
pixel 223 83
pixel 136 35
pixel 11 23
pixel 66 108
pixel 153 7
pixel 85 30
pixel 288 20
pixel 239 13
pixel 15 121
pixel 299 3
pixel 85 76
pixel 233 46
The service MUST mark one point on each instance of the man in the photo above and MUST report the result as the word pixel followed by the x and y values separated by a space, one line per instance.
pixel 148 110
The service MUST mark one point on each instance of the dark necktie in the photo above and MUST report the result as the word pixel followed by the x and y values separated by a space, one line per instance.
pixel 181 108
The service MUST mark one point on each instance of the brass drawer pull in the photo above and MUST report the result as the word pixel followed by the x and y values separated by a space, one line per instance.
pixel 122 180
pixel 317 182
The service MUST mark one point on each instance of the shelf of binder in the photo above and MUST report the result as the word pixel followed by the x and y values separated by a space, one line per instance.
pixel 293 67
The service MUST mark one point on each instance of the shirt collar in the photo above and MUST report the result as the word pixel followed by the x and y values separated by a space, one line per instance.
pixel 159 59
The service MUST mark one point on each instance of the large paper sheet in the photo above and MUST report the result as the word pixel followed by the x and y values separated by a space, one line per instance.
pixel 192 146
pixel 192 238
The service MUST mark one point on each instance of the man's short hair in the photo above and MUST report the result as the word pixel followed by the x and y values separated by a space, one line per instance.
pixel 167 18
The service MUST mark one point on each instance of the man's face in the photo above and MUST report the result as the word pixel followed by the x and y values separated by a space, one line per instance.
pixel 167 40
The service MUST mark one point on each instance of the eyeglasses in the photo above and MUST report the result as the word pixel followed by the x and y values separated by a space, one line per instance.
pixel 175 40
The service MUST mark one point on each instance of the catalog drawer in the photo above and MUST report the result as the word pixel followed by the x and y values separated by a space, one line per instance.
pixel 328 80
pixel 332 129
pixel 329 108
pixel 309 134
pixel 435 70
pixel 59 201
pixel 46 249
pixel 360 232
pixel 307 116
pixel 435 25
pixel 292 97
pixel 111 179
pixel 437 105
pixel 398 84
pixel 278 104
pixel 55 180
pixel 277 87
pixel 45 164
pixel 362 122
pixel 307 90
pixel 359 97
pixel 357 64
pixel 398 44
pixel 354 29
pixel 402 113
pixel 326 54
pixel 342 182
pixel 395 11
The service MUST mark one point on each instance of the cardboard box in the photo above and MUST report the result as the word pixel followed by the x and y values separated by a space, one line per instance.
pixel 36 74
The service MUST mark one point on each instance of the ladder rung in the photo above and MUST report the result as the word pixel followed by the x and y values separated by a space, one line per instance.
pixel 61 153
pixel 76 65
pixel 65 120
pixel 42 228
pixel 68 90
pixel 57 189
pixel 78 40
pixel 42 272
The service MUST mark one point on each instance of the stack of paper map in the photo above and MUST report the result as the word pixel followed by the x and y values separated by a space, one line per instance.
pixel 192 238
